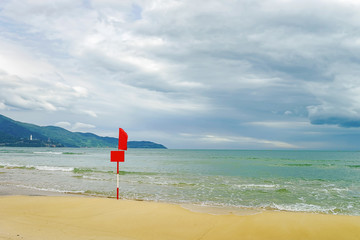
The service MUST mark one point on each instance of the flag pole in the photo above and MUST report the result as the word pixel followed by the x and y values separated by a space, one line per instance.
pixel 117 181
pixel 119 155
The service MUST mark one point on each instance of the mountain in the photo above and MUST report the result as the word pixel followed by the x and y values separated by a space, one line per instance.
pixel 19 134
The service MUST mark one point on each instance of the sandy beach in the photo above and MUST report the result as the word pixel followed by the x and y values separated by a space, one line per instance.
pixel 71 217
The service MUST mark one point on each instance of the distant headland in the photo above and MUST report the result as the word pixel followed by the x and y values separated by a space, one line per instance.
pixel 19 134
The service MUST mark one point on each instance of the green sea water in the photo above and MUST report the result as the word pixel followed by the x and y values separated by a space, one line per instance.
pixel 309 181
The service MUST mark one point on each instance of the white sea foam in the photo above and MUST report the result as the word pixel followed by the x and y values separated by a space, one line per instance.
pixel 42 168
pixel 48 189
pixel 52 168
pixel 250 186
pixel 340 189
pixel 92 178
pixel 302 207
pixel 220 210
pixel 10 165
pixel 56 153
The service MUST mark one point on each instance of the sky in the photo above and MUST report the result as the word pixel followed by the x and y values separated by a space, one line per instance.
pixel 229 74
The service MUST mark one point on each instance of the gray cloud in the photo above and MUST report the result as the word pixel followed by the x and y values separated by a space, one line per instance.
pixel 186 67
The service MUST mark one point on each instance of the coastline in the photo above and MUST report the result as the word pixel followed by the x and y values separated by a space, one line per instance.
pixel 68 216
pixel 11 190
pixel 298 181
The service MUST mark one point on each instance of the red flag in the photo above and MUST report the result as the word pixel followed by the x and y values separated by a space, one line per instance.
pixel 123 137
pixel 117 156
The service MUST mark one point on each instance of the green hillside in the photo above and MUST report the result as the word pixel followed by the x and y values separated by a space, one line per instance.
pixel 17 134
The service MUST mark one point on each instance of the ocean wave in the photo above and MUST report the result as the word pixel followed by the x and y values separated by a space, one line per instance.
pixel 340 190
pixel 353 166
pixel 93 178
pixel 52 168
pixel 82 170
pixel 72 153
pixel 303 207
pixel 48 189
pixel 59 153
pixel 282 190
pixel 316 165
pixel 93 170
pixel 299 164
pixel 97 193
pixel 255 186
pixel 90 178
pixel 13 151
pixel 170 183
pixel 56 153
pixel 15 166
pixel 30 167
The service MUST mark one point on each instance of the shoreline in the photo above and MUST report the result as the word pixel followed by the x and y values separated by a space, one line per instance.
pixel 77 217
pixel 7 190
pixel 11 190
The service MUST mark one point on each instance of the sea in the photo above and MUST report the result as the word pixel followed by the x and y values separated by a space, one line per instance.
pixel 300 181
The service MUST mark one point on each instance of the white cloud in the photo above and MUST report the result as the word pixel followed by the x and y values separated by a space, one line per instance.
pixel 42 93
pixel 21 61
pixel 88 112
pixel 239 141
pixel 78 126
pixel 2 106
pixel 291 125
pixel 216 139
pixel 63 124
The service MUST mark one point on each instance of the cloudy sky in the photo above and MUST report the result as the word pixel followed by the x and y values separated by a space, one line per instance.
pixel 243 74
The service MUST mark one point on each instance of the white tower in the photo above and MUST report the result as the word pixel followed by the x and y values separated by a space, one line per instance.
pixel 30 137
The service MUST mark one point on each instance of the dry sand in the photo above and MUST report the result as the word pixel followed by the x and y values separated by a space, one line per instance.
pixel 67 217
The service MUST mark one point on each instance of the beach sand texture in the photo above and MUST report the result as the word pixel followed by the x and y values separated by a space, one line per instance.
pixel 67 217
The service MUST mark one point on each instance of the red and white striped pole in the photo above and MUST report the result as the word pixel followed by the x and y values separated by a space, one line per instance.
pixel 119 156
pixel 117 182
